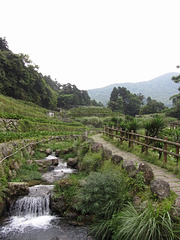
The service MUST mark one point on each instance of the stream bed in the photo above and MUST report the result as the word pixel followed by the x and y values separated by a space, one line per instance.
pixel 30 217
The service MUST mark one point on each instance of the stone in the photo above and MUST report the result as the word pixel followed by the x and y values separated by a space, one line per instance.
pixel 129 166
pixel 161 188
pixel 96 147
pixel 2 207
pixel 48 151
pixel 55 161
pixel 72 162
pixel 116 159
pixel 57 152
pixel 106 153
pixel 147 172
pixel 17 189
pixel 176 208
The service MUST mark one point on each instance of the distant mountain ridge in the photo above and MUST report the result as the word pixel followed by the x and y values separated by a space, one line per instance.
pixel 160 88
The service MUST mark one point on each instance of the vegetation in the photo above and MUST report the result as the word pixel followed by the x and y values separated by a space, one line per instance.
pixel 123 101
pixel 20 79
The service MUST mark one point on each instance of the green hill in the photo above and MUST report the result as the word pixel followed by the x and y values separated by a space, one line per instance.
pixel 160 89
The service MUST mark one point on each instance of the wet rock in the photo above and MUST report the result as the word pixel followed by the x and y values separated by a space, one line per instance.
pixel 72 162
pixel 58 205
pixel 161 188
pixel 147 172
pixel 136 201
pixel 129 166
pixel 55 161
pixel 48 151
pixel 57 152
pixel 17 189
pixel 106 153
pixel 96 147
pixel 116 159
pixel 2 207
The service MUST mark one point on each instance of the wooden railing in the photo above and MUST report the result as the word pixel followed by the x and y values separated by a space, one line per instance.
pixel 161 145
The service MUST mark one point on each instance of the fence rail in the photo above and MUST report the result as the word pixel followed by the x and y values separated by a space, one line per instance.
pixel 161 145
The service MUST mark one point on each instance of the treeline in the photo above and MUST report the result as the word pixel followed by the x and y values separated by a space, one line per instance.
pixel 20 79
pixel 122 100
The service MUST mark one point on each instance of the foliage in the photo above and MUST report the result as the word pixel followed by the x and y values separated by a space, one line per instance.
pixel 154 126
pixel 151 223
pixel 90 162
pixel 152 106
pixel 102 194
pixel 94 121
pixel 27 172
pixel 123 101
pixel 175 111
pixel 20 79
pixel 89 111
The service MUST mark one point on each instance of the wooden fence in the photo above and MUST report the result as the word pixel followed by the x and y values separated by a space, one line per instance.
pixel 161 145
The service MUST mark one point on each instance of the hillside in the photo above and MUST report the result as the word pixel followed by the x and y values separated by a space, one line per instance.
pixel 160 89
pixel 20 79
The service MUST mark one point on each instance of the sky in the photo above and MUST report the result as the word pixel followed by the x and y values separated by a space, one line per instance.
pixel 95 43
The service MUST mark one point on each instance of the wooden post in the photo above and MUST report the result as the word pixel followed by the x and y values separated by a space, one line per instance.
pixel 104 129
pixel 121 135
pixel 177 152
pixel 146 147
pixel 165 148
pixel 132 138
pixel 112 133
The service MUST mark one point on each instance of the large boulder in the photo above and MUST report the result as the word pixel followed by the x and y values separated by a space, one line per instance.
pixel 17 189
pixel 106 153
pixel 129 166
pixel 96 147
pixel 116 159
pixel 161 188
pixel 147 172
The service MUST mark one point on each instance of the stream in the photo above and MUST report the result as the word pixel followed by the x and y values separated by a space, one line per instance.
pixel 30 217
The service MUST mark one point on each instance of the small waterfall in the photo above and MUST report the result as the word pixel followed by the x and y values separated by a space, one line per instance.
pixel 35 204
pixel 31 206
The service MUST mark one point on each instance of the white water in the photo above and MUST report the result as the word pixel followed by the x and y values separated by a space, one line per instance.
pixel 59 172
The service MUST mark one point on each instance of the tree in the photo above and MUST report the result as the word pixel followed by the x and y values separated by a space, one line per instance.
pixel 152 106
pixel 122 100
pixel 175 111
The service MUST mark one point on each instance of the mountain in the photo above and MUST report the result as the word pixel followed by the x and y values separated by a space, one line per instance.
pixel 160 89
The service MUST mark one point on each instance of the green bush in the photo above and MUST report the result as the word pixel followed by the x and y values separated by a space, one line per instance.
pixel 103 194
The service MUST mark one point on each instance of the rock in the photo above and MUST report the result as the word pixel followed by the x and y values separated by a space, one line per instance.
pixel 2 207
pixel 72 162
pixel 55 161
pixel 161 188
pixel 129 166
pixel 147 172
pixel 17 189
pixel 58 205
pixel 57 152
pixel 176 208
pixel 116 159
pixel 96 147
pixel 48 151
pixel 106 153
pixel 136 201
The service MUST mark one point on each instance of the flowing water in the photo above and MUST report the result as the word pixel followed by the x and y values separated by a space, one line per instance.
pixel 30 217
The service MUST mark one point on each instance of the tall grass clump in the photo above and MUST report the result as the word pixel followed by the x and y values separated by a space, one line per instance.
pixel 102 195
pixel 149 224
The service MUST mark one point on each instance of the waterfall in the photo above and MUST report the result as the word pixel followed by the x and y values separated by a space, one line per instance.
pixel 31 206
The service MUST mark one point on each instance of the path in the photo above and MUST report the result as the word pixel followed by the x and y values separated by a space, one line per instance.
pixel 159 172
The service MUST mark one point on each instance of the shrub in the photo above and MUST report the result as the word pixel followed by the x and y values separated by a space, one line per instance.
pixel 103 194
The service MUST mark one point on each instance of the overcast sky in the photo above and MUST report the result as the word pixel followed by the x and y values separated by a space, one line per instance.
pixel 94 43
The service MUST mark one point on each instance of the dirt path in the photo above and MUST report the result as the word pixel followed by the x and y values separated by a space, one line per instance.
pixel 161 173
